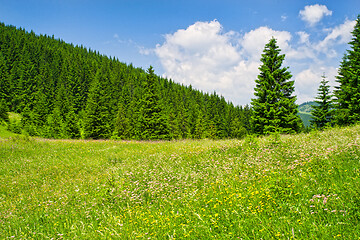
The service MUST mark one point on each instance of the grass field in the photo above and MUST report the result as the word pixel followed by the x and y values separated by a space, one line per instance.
pixel 278 187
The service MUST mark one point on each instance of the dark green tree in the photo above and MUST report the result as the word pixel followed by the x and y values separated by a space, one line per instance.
pixel 4 116
pixel 153 119
pixel 67 91
pixel 274 108
pixel 121 125
pixel 347 93
pixel 322 111
pixel 4 80
pixel 97 116
pixel 199 132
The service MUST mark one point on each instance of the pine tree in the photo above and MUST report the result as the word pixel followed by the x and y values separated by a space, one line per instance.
pixel 3 111
pixel 347 94
pixel 97 117
pixel 153 119
pixel 274 108
pixel 199 126
pixel 322 112
pixel 4 80
pixel 121 125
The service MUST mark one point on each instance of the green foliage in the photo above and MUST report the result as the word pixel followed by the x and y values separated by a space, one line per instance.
pixel 66 91
pixel 121 130
pixel 274 108
pixel 322 111
pixel 153 117
pixel 4 116
pixel 347 94
pixel 97 113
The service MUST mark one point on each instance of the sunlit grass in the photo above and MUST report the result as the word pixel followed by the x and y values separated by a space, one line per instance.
pixel 287 187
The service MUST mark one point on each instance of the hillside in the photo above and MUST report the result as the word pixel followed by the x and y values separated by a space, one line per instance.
pixel 302 186
pixel 305 118
pixel 305 112
pixel 306 107
pixel 66 91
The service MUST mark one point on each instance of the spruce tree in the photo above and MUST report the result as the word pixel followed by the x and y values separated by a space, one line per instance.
pixel 322 111
pixel 4 111
pixel 4 80
pixel 153 119
pixel 347 94
pixel 121 126
pixel 274 108
pixel 97 117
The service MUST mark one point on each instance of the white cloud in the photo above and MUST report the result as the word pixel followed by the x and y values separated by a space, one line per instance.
pixel 209 59
pixel 304 37
pixel 307 81
pixel 339 35
pixel 312 14
pixel 205 57
pixel 253 42
pixel 199 55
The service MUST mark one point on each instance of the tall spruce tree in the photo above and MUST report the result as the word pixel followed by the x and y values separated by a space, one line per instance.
pixel 274 108
pixel 121 126
pixel 347 94
pixel 153 120
pixel 97 117
pixel 322 111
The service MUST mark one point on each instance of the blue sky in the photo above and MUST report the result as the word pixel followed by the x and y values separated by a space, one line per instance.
pixel 212 45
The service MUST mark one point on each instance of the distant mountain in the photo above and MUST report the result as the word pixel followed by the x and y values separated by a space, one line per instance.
pixel 306 107
pixel 305 112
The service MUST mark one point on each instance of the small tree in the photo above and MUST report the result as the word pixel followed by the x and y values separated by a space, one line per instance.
pixel 274 108
pixel 4 116
pixel 322 111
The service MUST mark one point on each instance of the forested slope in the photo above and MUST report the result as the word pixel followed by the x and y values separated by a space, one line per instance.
pixel 67 91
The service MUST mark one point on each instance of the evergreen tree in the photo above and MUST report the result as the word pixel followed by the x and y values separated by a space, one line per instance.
pixel 121 124
pixel 153 119
pixel 347 94
pixel 321 112
pixel 3 111
pixel 4 80
pixel 199 132
pixel 174 127
pixel 97 117
pixel 63 91
pixel 274 108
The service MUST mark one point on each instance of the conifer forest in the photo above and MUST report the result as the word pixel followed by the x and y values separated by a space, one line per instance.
pixel 155 159
pixel 66 91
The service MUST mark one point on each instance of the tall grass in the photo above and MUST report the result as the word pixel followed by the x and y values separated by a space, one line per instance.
pixel 278 187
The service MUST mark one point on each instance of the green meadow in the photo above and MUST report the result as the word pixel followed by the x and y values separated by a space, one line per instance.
pixel 304 186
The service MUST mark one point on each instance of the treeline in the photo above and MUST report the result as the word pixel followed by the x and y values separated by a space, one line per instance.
pixel 67 91
pixel 274 109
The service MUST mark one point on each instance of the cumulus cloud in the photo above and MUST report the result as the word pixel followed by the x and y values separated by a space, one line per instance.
pixel 312 14
pixel 307 81
pixel 304 37
pixel 253 42
pixel 210 59
pixel 339 35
